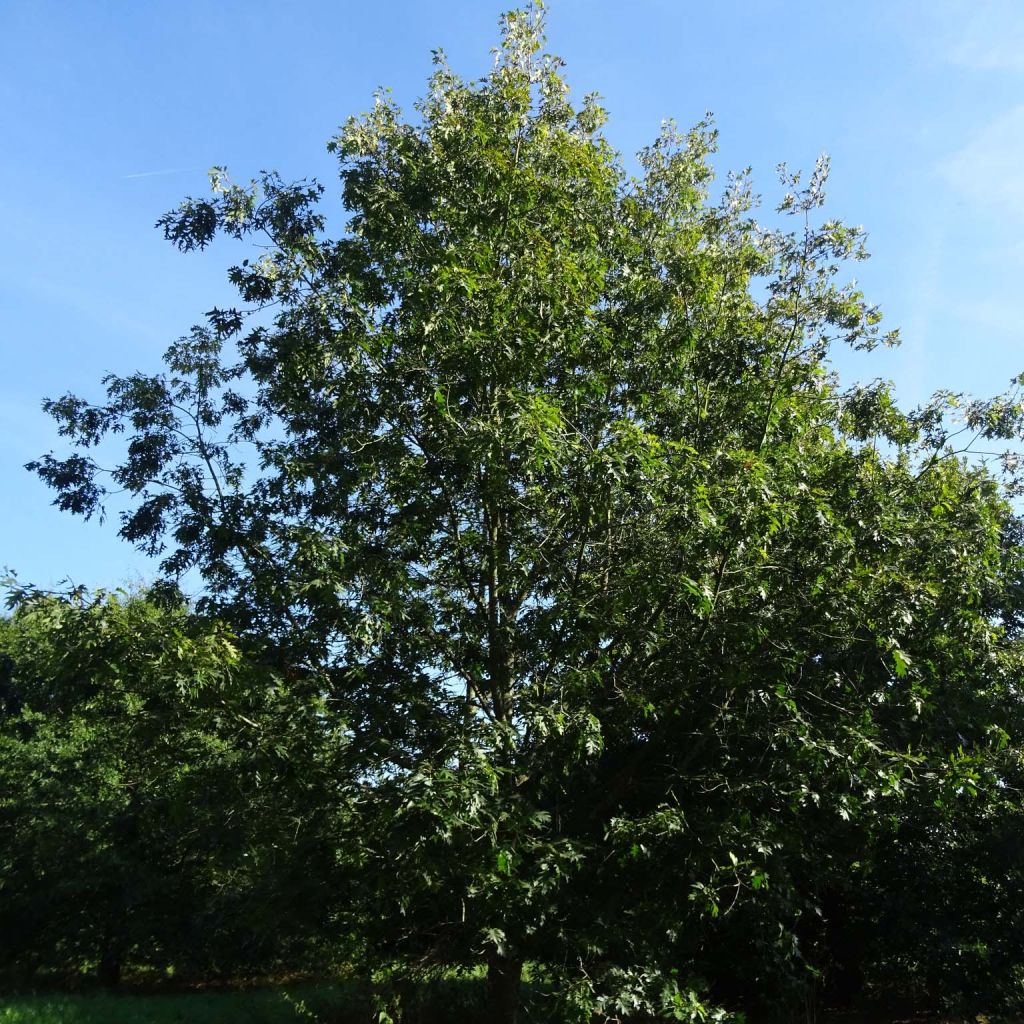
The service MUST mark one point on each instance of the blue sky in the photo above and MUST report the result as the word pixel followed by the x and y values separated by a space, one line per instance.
pixel 112 110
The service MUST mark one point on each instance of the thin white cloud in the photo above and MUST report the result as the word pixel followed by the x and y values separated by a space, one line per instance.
pixel 991 54
pixel 985 36
pixel 988 171
pixel 996 314
pixel 154 174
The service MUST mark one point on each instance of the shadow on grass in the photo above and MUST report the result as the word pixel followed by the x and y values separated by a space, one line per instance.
pixel 454 1001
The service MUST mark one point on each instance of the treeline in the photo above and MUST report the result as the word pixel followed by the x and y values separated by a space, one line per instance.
pixel 165 799
pixel 174 807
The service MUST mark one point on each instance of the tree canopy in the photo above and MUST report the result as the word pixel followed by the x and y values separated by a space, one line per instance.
pixel 657 657
pixel 149 812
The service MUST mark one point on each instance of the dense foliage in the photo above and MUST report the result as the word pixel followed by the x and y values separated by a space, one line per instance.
pixel 150 813
pixel 653 657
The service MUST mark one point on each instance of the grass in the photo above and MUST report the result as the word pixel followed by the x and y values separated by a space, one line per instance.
pixel 445 1001
pixel 323 1004
pixel 320 1005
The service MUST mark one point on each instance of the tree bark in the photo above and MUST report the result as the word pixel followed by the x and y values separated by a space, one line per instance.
pixel 504 978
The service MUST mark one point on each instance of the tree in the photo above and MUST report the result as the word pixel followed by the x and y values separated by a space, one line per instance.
pixel 635 618
pixel 149 817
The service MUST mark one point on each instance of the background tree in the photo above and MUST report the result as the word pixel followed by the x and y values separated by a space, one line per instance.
pixel 150 816
pixel 637 623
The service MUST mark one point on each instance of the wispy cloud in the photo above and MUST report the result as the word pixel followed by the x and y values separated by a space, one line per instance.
pixel 155 174
pixel 992 54
pixel 988 171
pixel 984 36
pixel 991 50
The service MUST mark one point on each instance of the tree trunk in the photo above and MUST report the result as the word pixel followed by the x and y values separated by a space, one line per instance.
pixel 504 977
pixel 109 970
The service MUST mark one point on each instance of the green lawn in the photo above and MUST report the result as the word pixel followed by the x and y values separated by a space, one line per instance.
pixel 323 1005
pixel 449 1001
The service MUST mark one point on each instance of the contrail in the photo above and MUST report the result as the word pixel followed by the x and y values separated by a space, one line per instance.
pixel 153 174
